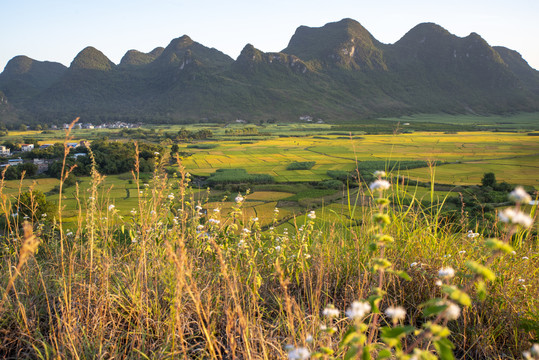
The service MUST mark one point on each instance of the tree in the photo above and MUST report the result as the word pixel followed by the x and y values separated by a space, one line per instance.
pixel 32 204
pixel 489 179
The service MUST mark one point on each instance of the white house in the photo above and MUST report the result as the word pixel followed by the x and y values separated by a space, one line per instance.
pixel 27 147
pixel 4 151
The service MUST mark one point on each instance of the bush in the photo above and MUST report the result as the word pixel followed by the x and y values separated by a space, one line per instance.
pixel 301 165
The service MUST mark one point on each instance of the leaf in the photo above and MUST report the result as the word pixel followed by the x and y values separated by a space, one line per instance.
pixel 384 354
pixel 404 275
pixel 326 350
pixel 366 354
pixel 444 348
pixel 396 332
pixel 351 353
pixel 348 336
pixel 433 310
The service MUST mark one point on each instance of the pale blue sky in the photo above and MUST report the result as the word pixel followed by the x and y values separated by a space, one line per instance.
pixel 56 30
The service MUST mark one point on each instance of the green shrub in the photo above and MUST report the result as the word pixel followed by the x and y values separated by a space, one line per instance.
pixel 301 165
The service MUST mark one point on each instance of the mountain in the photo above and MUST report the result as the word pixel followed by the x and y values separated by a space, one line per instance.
pixel 23 78
pixel 338 71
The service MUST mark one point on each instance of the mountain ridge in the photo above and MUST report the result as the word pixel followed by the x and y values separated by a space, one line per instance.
pixel 339 71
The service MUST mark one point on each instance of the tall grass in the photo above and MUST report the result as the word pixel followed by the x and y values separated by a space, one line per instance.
pixel 178 280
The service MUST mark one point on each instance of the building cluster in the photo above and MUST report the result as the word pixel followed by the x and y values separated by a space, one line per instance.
pixel 42 164
pixel 113 125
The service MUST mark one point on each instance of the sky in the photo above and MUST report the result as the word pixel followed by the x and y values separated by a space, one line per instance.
pixel 56 30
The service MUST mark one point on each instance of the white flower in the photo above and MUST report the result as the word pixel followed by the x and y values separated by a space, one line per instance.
pixel 278 248
pixel 255 219
pixel 358 310
pixel 246 231
pixel 111 207
pixel 472 235
pixel 239 199
pixel 91 198
pixel 200 227
pixel 309 338
pixel 330 311
pixel 413 264
pixel 133 212
pixel 216 210
pixel 214 221
pixel 438 283
pixel 510 215
pixel 198 208
pixel 462 251
pixel 380 185
pixel 396 313
pixel 171 196
pixel 43 215
pixel 525 258
pixel 446 273
pixel 275 210
pixel 380 173
pixel 535 350
pixel 521 280
pixel 146 185
pixel 300 353
pixel 15 215
pixel 156 153
pixel 452 312
pixel 520 195
pixel 69 233
pixel 311 215
pixel 241 243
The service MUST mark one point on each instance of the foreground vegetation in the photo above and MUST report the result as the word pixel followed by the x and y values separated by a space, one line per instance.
pixel 182 278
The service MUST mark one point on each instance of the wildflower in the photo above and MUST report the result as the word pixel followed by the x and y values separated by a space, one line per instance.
pixel 239 199
pixel 380 173
pixel 300 353
pixel 214 221
pixel 330 311
pixel 255 219
pixel 379 185
pixel 452 312
pixel 198 208
pixel 278 248
pixel 133 212
pixel 471 234
pixel 146 185
pixel 396 313
pixel 43 215
pixel 276 210
pixel 152 212
pixel 14 215
pixel 171 196
pixel 91 198
pixel 311 215
pixel 438 283
pixel 69 233
pixel 446 273
pixel 246 231
pixel 241 243
pixel 517 217
pixel 358 310
pixel 520 195
pixel 462 251
pixel 521 280
pixel 156 153
pixel 525 258
pixel 447 256
pixel 200 227
pixel 309 338
pixel 216 210
pixel 111 207
pixel 323 327
pixel 413 264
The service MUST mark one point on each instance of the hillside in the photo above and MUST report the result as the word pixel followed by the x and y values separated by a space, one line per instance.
pixel 338 71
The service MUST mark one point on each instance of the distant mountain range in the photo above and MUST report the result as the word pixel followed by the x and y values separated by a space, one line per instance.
pixel 336 72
